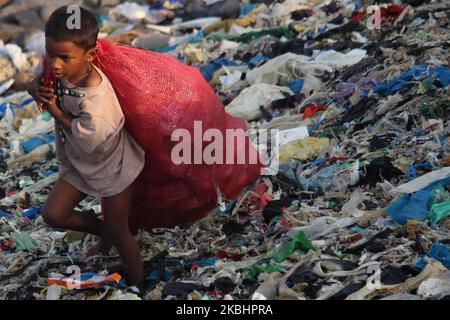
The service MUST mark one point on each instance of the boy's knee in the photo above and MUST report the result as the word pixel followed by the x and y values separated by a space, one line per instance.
pixel 51 218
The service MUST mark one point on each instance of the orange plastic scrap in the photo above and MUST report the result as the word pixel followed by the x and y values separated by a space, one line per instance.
pixel 88 280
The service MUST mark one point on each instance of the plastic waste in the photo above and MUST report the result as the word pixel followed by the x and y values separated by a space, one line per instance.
pixel 337 59
pixel 85 280
pixel 32 213
pixel 294 134
pixel 417 72
pixel 256 270
pixel 53 292
pixel 321 227
pixel 435 287
pixel 352 204
pixel 6 85
pixel 246 104
pixel 289 67
pixel 14 52
pixel 23 241
pixel 32 144
pixel 132 10
pixel 303 149
pixel 36 43
pixel 410 207
pixel 299 242
pixel 428 180
pixel 268 289
pixel 438 252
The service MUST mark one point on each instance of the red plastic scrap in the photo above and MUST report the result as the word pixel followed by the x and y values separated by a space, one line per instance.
pixel 284 222
pixel 352 239
pixel 310 111
pixel 222 254
pixel 358 16
pixel 394 10
pixel 263 200
pixel 26 220
pixel 260 188
pixel 333 159
pixel 6 244
pixel 390 13
pixel 215 294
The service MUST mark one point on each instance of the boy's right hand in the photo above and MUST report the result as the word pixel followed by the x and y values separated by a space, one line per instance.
pixel 39 92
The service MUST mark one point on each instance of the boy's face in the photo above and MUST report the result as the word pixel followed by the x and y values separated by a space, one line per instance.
pixel 66 59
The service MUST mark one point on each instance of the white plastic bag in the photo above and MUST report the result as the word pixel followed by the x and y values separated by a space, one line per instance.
pixel 339 60
pixel 246 105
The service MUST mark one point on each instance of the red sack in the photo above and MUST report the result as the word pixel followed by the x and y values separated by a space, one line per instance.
pixel 48 77
pixel 159 94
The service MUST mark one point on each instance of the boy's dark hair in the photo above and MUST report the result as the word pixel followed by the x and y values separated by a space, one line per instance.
pixel 85 37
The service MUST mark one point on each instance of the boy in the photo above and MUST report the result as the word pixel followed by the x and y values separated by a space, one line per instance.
pixel 98 156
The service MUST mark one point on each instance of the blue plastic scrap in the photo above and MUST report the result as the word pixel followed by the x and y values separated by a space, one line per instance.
pixel 414 206
pixel 209 69
pixel 246 9
pixel 32 213
pixel 412 172
pixel 410 207
pixel 157 276
pixel 438 252
pixel 416 73
pixel 296 86
pixel 34 143
pixel 253 62
pixel 5 214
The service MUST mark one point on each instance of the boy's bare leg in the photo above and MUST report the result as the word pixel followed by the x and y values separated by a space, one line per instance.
pixel 58 211
pixel 116 215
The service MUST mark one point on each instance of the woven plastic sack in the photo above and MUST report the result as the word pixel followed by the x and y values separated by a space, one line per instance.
pixel 159 94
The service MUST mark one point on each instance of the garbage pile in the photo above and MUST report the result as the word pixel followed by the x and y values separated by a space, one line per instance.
pixel 360 205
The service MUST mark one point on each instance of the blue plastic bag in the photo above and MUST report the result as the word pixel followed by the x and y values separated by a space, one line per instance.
pixel 32 213
pixel 34 143
pixel 209 69
pixel 410 207
pixel 418 72
pixel 296 86
pixel 438 252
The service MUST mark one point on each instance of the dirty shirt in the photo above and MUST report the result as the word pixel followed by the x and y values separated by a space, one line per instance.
pixel 97 154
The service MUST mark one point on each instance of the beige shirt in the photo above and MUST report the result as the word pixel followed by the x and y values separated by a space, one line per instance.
pixel 97 155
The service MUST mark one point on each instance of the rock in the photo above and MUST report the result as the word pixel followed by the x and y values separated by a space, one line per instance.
pixel 9 31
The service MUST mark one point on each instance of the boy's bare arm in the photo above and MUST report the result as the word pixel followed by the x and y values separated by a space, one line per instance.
pixel 61 117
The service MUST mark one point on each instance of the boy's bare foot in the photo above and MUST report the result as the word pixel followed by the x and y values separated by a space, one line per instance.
pixel 102 247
